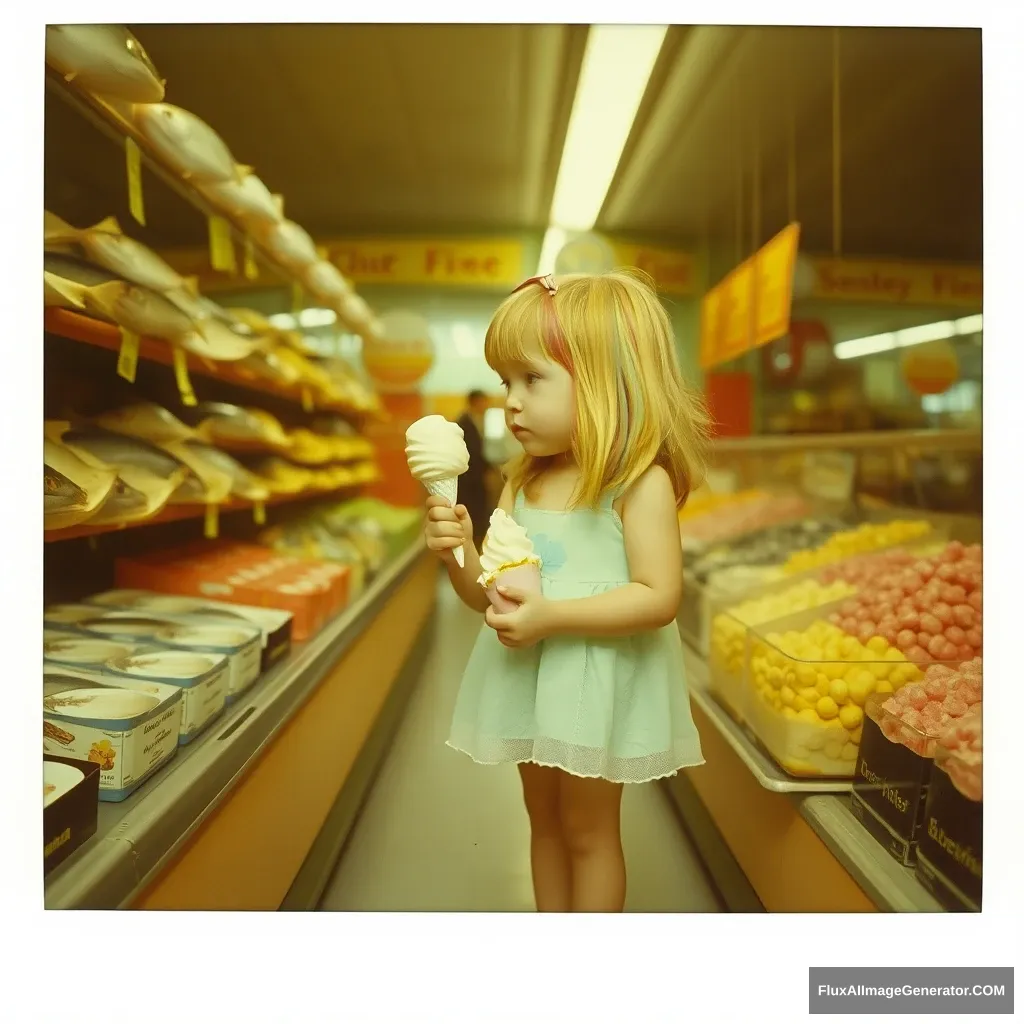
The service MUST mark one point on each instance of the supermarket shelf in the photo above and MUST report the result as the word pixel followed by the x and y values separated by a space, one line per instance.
pixel 763 768
pixel 922 440
pixel 177 513
pixel 85 329
pixel 112 123
pixel 137 838
pixel 892 886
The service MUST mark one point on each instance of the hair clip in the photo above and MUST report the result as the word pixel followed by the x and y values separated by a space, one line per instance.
pixel 546 281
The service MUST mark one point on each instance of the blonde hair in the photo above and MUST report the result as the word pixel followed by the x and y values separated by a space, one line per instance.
pixel 633 408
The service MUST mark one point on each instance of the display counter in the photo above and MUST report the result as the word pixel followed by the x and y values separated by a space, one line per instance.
pixel 774 842
pixel 231 823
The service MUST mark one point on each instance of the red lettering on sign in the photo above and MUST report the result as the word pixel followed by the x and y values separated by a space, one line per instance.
pixel 446 263
pixel 949 283
pixel 352 263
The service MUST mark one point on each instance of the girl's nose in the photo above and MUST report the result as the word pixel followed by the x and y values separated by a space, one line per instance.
pixel 512 403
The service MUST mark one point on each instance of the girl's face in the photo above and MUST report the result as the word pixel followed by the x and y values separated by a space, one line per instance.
pixel 540 405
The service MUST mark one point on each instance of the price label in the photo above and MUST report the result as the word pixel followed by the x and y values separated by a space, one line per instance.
pixel 252 270
pixel 188 396
pixel 128 357
pixel 222 248
pixel 134 161
pixel 211 524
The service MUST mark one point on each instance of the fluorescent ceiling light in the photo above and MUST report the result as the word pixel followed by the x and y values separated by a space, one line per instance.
pixel 283 320
pixel 317 318
pixel 865 346
pixel 554 239
pixel 907 337
pixel 617 65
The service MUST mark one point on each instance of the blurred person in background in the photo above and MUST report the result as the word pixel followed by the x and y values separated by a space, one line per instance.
pixel 473 484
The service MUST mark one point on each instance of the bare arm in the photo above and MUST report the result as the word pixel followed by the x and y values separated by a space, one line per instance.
pixel 651 599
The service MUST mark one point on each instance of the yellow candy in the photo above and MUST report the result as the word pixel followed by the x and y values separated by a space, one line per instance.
pixel 879 669
pixel 787 696
pixel 788 712
pixel 849 646
pixel 801 705
pixel 856 734
pixel 810 694
pixel 862 686
pixel 894 654
pixel 883 686
pixel 849 752
pixel 827 708
pixel 806 675
pixel 897 677
pixel 839 691
pixel 808 715
pixel 822 686
pixel 851 717
pixel 878 644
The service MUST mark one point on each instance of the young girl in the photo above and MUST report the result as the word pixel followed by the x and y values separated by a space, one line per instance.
pixel 583 686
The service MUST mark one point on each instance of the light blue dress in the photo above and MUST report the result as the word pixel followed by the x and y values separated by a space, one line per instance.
pixel 616 708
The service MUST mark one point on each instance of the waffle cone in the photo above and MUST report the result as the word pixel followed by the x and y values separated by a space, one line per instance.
pixel 447 488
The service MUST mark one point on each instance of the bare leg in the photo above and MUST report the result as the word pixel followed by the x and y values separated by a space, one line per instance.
pixel 591 826
pixel 549 857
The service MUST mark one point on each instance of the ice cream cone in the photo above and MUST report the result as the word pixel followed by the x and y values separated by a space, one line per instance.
pixel 449 489
pixel 522 577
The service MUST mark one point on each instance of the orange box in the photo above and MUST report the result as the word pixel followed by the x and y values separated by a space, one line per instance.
pixel 312 591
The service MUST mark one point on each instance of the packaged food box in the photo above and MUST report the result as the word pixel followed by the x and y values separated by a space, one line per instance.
pixel 276 626
pixel 807 683
pixel 950 848
pixel 204 678
pixel 891 780
pixel 239 642
pixel 311 591
pixel 71 791
pixel 130 729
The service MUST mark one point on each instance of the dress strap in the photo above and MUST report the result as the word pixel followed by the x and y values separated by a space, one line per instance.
pixel 520 502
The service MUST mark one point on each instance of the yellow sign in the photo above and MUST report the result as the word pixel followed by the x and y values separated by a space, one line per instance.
pixel 674 272
pixel 902 284
pixel 773 272
pixel 477 263
pixel 751 305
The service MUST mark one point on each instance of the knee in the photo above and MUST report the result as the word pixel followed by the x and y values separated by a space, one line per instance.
pixel 584 834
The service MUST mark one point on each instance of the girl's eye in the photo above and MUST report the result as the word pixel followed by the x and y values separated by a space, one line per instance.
pixel 532 378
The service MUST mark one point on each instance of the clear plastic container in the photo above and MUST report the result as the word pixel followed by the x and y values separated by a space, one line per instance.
pixel 730 619
pixel 807 684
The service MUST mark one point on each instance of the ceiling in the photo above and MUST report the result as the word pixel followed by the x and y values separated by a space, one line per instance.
pixel 459 128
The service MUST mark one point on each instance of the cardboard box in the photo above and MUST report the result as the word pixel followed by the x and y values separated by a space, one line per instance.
pixel 890 785
pixel 275 625
pixel 70 808
pixel 949 862
pixel 241 574
pixel 204 678
pixel 130 729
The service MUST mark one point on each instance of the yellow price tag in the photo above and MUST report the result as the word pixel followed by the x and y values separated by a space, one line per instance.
pixel 134 159
pixel 188 396
pixel 211 524
pixel 128 357
pixel 307 400
pixel 296 297
pixel 222 248
pixel 252 270
pixel 259 513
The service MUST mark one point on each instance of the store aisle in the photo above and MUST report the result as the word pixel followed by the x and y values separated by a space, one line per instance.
pixel 440 833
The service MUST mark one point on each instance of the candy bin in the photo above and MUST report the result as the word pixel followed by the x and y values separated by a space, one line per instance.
pixel 807 686
pixel 691 618
pixel 861 540
pixel 949 861
pixel 730 620
pixel 891 779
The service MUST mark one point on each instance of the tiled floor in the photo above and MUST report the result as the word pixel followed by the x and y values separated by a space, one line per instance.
pixel 440 833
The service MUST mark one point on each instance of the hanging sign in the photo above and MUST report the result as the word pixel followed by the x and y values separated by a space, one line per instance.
pixel 891 282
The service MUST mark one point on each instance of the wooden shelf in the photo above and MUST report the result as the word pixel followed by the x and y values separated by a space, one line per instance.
pixel 178 513
pixel 85 329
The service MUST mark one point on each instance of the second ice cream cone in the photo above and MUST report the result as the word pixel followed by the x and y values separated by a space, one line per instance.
pixel 522 577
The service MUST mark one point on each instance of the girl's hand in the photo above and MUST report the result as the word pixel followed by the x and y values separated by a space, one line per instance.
pixel 447 528
pixel 530 623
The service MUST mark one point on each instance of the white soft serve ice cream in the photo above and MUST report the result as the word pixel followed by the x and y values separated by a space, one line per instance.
pixel 436 449
pixel 505 547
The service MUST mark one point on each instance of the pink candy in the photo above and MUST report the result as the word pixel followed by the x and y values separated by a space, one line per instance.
pixel 936 689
